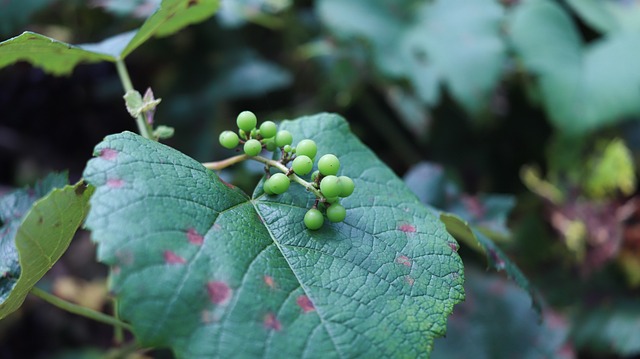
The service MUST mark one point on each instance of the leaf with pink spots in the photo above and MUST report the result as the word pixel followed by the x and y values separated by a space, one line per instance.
pixel 204 269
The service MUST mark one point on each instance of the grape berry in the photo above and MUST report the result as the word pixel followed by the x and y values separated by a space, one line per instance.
pixel 325 182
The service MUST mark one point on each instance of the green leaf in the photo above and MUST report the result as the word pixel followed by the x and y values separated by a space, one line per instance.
pixel 41 237
pixel 496 321
pixel 202 268
pixel 380 22
pixel 583 88
pixel 456 43
pixel 608 16
pixel 611 170
pixel 610 328
pixel 171 16
pixel 59 58
pixel 496 258
pixel 13 208
pixel 52 56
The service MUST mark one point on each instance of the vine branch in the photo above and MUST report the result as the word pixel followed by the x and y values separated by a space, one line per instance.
pixel 128 86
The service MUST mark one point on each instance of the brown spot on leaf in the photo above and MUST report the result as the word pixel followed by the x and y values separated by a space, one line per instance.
pixel 219 292
pixel 172 258
pixel 115 183
pixel 271 322
pixel 409 280
pixel 194 237
pixel 108 154
pixel 404 260
pixel 192 3
pixel 407 228
pixel 40 220
pixel 80 189
pixel 268 280
pixel 305 304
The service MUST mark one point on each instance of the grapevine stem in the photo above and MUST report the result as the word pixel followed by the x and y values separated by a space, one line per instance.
pixel 271 163
pixel 78 309
pixel 128 86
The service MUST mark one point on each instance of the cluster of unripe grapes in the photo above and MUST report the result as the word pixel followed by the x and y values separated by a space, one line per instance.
pixel 328 186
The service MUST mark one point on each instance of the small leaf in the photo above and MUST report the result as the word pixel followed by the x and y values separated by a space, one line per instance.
pixel 171 16
pixel 497 259
pixel 611 170
pixel 52 56
pixel 163 132
pixel 209 272
pixel 42 237
pixel 133 101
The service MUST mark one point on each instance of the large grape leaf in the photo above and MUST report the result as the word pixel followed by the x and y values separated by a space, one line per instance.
pixel 200 267
pixel 60 58
pixel 583 87
pixel 40 237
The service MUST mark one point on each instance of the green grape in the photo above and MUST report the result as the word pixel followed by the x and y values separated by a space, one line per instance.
pixel 252 147
pixel 330 186
pixel 346 186
pixel 254 133
pixel 307 148
pixel 229 139
pixel 287 148
pixel 302 165
pixel 314 175
pixel 328 165
pixel 268 129
pixel 336 213
pixel 313 219
pixel 242 134
pixel 279 183
pixel 331 199
pixel 270 144
pixel 266 187
pixel 283 138
pixel 246 121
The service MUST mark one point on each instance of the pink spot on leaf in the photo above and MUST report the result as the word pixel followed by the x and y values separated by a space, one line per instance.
pixel 404 260
pixel 219 292
pixel 407 228
pixel 271 322
pixel 108 154
pixel 268 280
pixel 454 246
pixel 115 183
pixel 194 237
pixel 172 258
pixel 409 280
pixel 227 184
pixel 305 304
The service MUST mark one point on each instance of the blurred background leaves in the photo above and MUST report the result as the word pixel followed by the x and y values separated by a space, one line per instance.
pixel 518 116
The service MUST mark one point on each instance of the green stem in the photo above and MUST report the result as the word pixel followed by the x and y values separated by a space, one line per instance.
pixel 128 86
pixel 271 163
pixel 78 309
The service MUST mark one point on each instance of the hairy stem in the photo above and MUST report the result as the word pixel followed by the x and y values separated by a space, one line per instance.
pixel 271 163
pixel 78 309
pixel 128 86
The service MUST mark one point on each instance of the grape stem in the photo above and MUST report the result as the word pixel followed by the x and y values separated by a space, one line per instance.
pixel 218 165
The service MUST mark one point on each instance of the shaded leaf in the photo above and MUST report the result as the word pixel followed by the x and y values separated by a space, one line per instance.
pixel 171 16
pixel 43 236
pixel 16 14
pixel 496 258
pixel 52 56
pixel 209 272
pixel 13 207
pixel 457 43
pixel 496 321
pixel 608 16
pixel 612 328
pixel 583 88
